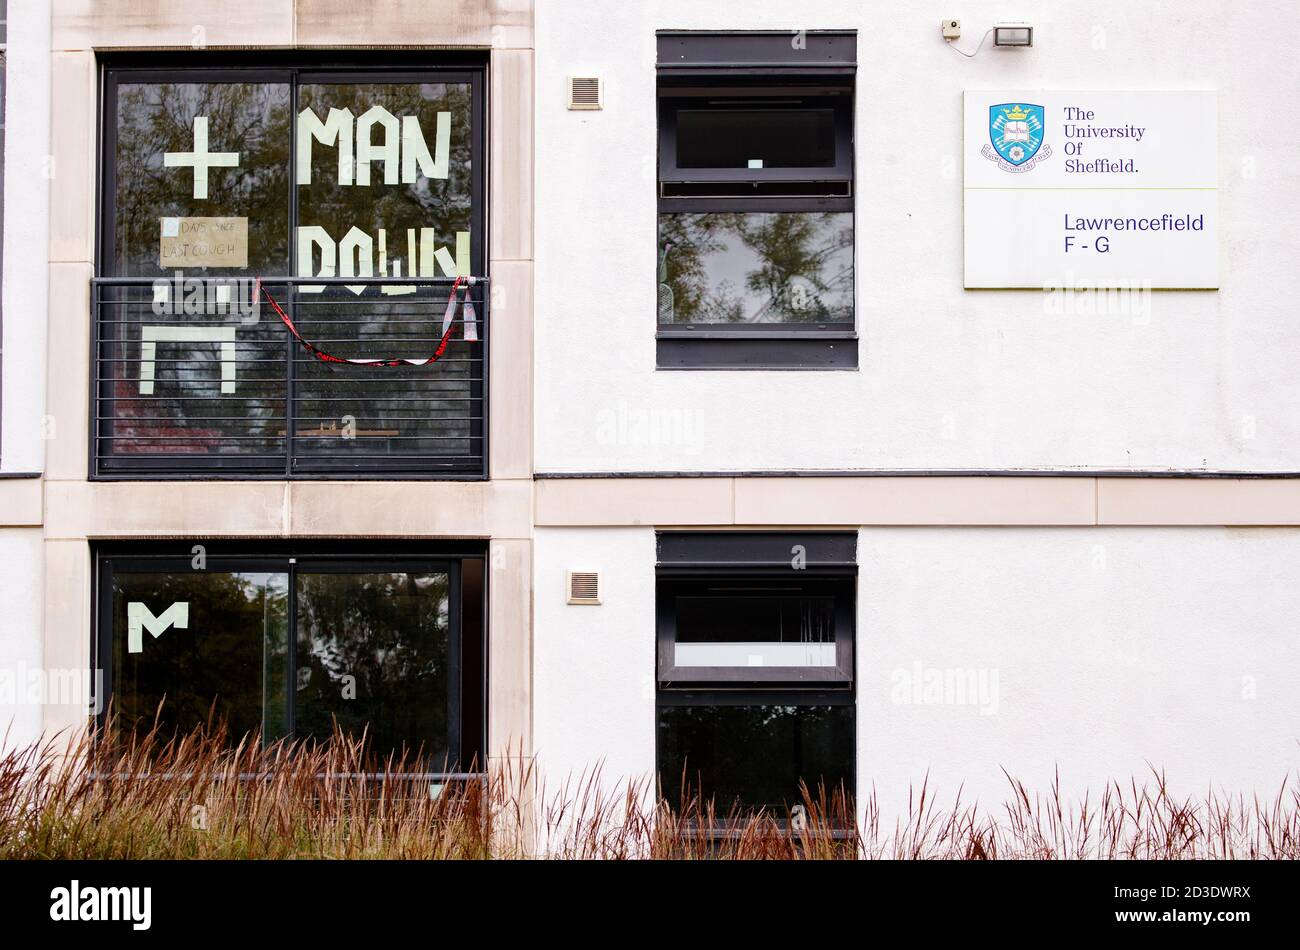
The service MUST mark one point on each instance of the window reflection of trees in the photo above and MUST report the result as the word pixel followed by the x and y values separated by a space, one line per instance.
pixel 793 267
pixel 249 118
pixel 230 658
pixel 443 204
pixel 754 756
pixel 404 410
pixel 188 414
pixel 417 411
pixel 390 633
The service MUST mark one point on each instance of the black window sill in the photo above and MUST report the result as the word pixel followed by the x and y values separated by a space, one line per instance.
pixel 749 349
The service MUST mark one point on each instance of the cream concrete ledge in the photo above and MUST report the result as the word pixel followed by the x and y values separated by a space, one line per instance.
pixel 1198 501
pixel 495 509
pixel 974 500
pixel 20 502
pixel 193 24
pixel 930 500
pixel 815 501
pixel 611 502
pixel 79 510
pixel 502 24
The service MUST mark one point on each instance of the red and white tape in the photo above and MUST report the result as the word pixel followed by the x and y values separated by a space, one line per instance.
pixel 448 324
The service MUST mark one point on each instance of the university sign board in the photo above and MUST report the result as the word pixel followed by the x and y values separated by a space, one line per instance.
pixel 1091 189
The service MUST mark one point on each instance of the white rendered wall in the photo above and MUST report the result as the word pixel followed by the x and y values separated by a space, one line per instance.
pixel 25 290
pixel 21 563
pixel 26 236
pixel 948 378
pixel 1112 648
pixel 593 667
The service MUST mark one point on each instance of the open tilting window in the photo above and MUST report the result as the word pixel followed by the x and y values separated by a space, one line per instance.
pixel 756 629
pixel 755 667
pixel 755 246
pixel 291 269
pixel 287 641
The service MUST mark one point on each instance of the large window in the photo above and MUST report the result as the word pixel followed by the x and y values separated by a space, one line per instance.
pixel 755 668
pixel 355 197
pixel 755 239
pixel 289 642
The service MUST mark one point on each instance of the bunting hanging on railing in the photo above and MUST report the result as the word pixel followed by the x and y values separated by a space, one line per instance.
pixel 448 324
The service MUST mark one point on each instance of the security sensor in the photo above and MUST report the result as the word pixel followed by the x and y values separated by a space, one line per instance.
pixel 951 29
pixel 1013 34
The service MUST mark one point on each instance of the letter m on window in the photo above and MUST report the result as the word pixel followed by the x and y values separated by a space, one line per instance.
pixel 140 618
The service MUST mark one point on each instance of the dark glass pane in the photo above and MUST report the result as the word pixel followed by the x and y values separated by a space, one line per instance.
pixel 756 137
pixel 395 200
pixel 473 718
pixel 759 268
pixel 164 212
pixel 393 162
pixel 779 618
pixel 374 654
pixel 190 381
pixel 754 756
pixel 195 639
pixel 422 415
pixel 752 629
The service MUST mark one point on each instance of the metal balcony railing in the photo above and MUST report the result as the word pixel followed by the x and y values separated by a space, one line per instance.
pixel 198 379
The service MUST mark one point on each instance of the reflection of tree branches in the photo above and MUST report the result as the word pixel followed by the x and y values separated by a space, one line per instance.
pixel 253 119
pixel 390 632
pixel 791 253
pixel 693 237
pixel 753 755
pixel 236 638
pixel 443 204
pixel 249 118
pixel 786 248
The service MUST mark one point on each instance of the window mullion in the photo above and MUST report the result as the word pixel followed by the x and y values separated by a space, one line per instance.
pixel 290 408
pixel 291 651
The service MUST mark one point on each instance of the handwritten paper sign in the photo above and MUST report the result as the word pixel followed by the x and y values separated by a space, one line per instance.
pixel 203 242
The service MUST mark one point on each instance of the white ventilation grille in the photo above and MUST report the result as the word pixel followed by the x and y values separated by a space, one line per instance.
pixel 584 587
pixel 584 92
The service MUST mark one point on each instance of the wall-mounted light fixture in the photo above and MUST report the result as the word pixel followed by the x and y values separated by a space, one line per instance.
pixel 1009 35
pixel 1013 34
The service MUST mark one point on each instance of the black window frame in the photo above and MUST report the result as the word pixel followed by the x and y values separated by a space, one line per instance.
pixel 695 64
pixel 737 182
pixel 467 643
pixel 825 559
pixel 670 587
pixel 295 68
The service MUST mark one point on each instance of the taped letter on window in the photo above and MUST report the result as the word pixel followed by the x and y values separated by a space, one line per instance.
pixel 140 618
pixel 151 336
